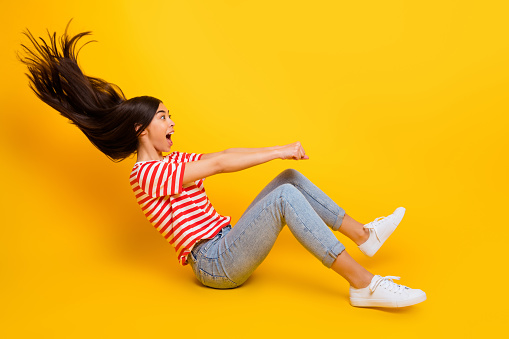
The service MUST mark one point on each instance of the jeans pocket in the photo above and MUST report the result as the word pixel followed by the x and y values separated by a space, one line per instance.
pixel 216 281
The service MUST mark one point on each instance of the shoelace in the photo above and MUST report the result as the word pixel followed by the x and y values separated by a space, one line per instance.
pixel 372 226
pixel 389 284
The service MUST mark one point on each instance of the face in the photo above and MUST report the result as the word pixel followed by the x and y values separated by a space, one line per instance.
pixel 159 132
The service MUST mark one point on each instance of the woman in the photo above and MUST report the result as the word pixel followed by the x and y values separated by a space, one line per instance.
pixel 170 189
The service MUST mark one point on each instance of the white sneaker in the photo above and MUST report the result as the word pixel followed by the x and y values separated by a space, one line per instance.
pixel 383 292
pixel 379 230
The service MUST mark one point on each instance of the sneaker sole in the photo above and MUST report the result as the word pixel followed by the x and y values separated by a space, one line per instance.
pixel 360 302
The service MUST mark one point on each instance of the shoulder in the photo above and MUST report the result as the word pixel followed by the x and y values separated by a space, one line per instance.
pixel 145 167
pixel 183 157
pixel 174 156
pixel 141 164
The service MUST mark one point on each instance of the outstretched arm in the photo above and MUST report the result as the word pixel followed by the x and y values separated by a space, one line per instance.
pixel 248 150
pixel 227 162
pixel 237 150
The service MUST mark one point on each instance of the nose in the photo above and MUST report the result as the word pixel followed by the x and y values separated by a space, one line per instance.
pixel 171 123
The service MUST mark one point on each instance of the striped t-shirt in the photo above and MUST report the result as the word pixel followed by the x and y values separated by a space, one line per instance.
pixel 183 214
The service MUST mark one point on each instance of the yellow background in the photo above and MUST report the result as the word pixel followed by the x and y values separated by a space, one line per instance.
pixel 397 103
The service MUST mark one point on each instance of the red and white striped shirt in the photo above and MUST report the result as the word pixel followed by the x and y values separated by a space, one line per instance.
pixel 183 214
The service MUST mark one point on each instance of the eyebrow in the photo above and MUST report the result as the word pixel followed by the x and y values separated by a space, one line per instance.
pixel 161 111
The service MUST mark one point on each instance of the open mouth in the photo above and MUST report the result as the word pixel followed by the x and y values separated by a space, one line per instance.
pixel 168 138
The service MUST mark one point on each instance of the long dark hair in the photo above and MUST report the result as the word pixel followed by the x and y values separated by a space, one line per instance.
pixel 99 108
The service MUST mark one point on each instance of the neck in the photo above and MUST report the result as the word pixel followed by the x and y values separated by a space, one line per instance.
pixel 145 153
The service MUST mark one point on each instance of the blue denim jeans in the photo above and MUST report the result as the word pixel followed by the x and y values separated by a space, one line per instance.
pixel 227 260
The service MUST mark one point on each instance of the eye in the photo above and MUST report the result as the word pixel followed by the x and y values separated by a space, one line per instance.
pixel 163 117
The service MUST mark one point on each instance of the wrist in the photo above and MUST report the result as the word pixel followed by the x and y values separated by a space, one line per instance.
pixel 275 153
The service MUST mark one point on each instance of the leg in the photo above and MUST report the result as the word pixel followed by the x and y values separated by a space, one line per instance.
pixel 354 230
pixel 235 256
pixel 353 272
pixel 333 215
pixel 324 206
pixel 228 260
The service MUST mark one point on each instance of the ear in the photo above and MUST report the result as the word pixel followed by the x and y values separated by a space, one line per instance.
pixel 137 127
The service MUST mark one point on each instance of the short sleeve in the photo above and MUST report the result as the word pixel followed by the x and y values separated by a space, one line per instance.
pixel 161 178
pixel 185 157
pixel 193 156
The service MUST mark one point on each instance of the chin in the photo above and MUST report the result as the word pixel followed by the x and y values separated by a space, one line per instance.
pixel 165 148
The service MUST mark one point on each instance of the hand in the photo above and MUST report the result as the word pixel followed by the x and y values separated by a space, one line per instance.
pixel 292 151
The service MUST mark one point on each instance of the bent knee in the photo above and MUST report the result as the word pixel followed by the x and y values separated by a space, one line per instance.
pixel 290 172
pixel 287 189
pixel 288 193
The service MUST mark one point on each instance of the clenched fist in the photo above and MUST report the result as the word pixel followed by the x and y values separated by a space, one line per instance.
pixel 292 151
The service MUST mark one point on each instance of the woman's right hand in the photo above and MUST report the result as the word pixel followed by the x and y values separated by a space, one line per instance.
pixel 292 151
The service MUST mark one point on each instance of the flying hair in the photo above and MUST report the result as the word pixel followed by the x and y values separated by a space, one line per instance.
pixel 97 107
